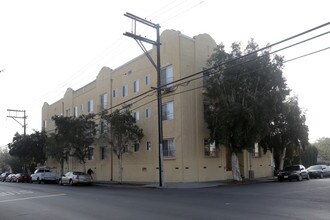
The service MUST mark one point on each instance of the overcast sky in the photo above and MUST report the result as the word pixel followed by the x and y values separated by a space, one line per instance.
pixel 47 46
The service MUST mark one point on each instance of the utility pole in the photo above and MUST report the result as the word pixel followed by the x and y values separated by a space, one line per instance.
pixel 16 116
pixel 139 40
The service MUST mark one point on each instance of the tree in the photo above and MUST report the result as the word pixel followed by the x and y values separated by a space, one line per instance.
pixel 323 146
pixel 30 149
pixel 309 156
pixel 4 160
pixel 288 133
pixel 245 90
pixel 74 135
pixel 122 131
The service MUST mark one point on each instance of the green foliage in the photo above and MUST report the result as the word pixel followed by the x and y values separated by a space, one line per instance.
pixel 244 95
pixel 4 160
pixel 29 149
pixel 323 146
pixel 74 135
pixel 122 130
pixel 309 156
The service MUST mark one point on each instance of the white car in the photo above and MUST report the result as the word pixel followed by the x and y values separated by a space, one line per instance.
pixel 75 178
pixel 44 175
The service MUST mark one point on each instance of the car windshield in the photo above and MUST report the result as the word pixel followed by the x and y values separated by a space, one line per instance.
pixel 292 168
pixel 78 173
pixel 315 167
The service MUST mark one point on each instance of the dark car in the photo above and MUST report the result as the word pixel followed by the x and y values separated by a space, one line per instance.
pixel 297 172
pixel 318 171
pixel 22 178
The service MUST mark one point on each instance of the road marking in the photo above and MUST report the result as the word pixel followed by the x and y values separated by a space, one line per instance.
pixel 13 193
pixel 34 197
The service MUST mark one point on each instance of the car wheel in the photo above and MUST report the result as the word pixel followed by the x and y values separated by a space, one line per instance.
pixel 38 181
pixel 307 178
pixel 60 182
pixel 300 178
pixel 71 182
pixel 321 176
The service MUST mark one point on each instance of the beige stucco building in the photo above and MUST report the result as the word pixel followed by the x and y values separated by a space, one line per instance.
pixel 188 157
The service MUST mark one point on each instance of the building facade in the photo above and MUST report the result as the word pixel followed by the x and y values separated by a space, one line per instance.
pixel 188 155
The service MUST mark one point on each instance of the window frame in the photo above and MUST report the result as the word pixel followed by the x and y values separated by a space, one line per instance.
pixel 169 148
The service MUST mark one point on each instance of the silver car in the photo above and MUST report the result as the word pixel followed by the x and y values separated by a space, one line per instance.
pixel 75 178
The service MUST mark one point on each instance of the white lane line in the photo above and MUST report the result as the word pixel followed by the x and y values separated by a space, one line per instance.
pixel 34 197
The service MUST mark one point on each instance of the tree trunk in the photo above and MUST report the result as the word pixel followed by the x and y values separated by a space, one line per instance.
pixel 235 167
pixel 282 157
pixel 62 167
pixel 120 167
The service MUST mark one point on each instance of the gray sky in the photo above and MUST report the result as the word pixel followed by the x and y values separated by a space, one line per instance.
pixel 48 46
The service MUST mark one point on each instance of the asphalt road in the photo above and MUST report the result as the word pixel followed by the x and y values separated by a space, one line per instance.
pixel 288 200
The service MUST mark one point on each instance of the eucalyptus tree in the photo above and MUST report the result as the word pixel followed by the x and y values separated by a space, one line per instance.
pixel 121 131
pixel 245 90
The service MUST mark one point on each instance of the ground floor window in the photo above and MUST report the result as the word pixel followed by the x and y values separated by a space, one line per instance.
pixel 168 148
pixel 210 149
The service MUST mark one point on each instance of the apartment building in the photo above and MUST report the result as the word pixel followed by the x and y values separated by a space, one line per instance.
pixel 188 155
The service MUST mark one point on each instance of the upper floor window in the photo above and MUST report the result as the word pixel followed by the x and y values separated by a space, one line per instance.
pixel 136 86
pixel 148 145
pixel 256 151
pixel 115 93
pixel 90 153
pixel 148 112
pixel 148 79
pixel 75 111
pixel 90 106
pixel 102 153
pixel 67 113
pixel 168 111
pixel 136 115
pixel 104 101
pixel 136 147
pixel 125 90
pixel 167 75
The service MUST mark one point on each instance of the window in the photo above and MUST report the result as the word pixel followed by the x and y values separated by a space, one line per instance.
pixel 125 149
pixel 210 149
pixel 168 148
pixel 136 115
pixel 102 153
pixel 256 151
pixel 166 75
pixel 148 79
pixel 115 93
pixel 67 113
pixel 103 127
pixel 81 107
pixel 148 112
pixel 148 145
pixel 136 86
pixel 90 153
pixel 75 111
pixel 104 101
pixel 90 106
pixel 167 111
pixel 136 147
pixel 125 90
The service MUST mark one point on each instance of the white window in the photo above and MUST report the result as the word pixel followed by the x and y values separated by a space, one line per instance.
pixel 67 113
pixel 115 93
pixel 168 148
pixel 104 101
pixel 210 149
pixel 256 152
pixel 136 115
pixel 148 145
pixel 136 86
pixel 148 79
pixel 75 111
pixel 167 76
pixel 90 106
pixel 81 108
pixel 148 112
pixel 90 153
pixel 168 111
pixel 125 90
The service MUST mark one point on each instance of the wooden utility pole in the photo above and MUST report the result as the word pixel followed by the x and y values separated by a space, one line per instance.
pixel 139 40
pixel 18 116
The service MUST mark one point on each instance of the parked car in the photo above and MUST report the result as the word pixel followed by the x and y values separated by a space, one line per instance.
pixel 9 178
pixel 319 171
pixel 4 176
pixel 74 178
pixel 44 175
pixel 22 178
pixel 298 172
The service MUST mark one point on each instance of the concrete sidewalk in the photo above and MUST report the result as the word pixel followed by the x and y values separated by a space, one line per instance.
pixel 190 185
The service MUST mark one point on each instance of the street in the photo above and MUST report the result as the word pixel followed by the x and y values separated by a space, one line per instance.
pixel 272 200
